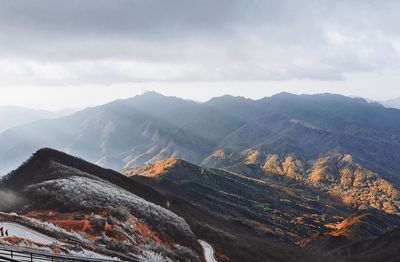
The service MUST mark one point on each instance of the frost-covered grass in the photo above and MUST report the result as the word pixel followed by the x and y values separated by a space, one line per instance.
pixel 66 189
pixel 151 256
pixel 88 193
pixel 37 240
pixel 158 252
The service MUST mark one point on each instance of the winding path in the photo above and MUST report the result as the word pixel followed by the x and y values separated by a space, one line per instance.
pixel 208 251
pixel 17 230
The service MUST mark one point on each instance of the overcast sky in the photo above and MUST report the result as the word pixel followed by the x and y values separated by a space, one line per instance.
pixel 75 53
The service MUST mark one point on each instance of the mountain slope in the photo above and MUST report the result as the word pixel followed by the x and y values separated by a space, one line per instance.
pixel 382 248
pixel 244 219
pixel 311 126
pixel 113 135
pixel 275 210
pixel 338 175
pixel 357 228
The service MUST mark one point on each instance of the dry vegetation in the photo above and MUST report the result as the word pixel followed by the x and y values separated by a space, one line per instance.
pixel 154 169
pixel 339 175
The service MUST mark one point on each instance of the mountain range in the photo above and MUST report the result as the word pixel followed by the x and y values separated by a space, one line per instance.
pixel 217 133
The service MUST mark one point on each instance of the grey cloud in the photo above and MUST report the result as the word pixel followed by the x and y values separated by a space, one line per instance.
pixel 199 40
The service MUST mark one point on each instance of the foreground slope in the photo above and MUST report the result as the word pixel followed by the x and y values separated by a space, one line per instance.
pixel 100 206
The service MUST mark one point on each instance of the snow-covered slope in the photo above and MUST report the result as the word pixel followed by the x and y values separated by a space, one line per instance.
pixel 85 193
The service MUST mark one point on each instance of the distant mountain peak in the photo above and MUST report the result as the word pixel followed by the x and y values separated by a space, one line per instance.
pixel 47 152
pixel 392 103
pixel 155 96
pixel 284 94
pixel 152 94
pixel 229 98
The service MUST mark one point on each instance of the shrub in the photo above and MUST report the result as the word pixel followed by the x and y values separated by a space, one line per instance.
pixel 112 220
pixel 99 224
pixel 122 213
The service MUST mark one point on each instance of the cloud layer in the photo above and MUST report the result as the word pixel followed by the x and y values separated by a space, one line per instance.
pixel 56 42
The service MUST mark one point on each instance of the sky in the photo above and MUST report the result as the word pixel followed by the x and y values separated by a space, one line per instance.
pixel 57 53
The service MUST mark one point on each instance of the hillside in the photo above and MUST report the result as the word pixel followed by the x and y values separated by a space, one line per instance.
pixel 235 210
pixel 240 197
pixel 338 175
pixel 278 208
pixel 360 227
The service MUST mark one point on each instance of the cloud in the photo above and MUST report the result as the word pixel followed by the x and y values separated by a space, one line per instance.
pixel 54 42
pixel 9 200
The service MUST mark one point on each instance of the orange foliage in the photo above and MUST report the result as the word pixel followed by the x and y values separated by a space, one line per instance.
pixel 146 233
pixel 17 241
pixel 114 234
pixel 154 169
pixel 75 225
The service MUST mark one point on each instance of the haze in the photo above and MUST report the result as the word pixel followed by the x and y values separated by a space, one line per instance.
pixel 56 54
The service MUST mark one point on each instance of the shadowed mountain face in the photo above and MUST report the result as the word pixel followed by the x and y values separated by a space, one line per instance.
pixel 280 205
pixel 218 133
pixel 280 211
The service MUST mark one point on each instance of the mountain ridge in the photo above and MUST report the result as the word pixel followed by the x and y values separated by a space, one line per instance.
pixel 12 116
pixel 132 132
